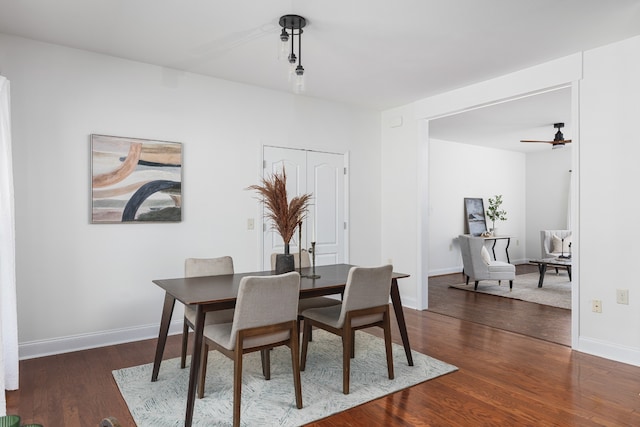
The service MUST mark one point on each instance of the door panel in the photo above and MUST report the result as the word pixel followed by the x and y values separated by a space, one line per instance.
pixel 326 173
pixel 294 163
pixel 321 174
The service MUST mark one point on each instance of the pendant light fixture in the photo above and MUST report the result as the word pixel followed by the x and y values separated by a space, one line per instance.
pixel 292 26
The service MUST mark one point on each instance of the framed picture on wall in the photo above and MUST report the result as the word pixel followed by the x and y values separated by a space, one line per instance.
pixel 135 180
pixel 474 213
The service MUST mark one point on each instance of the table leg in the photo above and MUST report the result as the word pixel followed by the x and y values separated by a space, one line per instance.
pixel 397 308
pixel 196 356
pixel 569 271
pixel 167 312
pixel 542 268
pixel 493 249
pixel 506 249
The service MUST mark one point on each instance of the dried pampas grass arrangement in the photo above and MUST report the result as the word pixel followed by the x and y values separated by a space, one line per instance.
pixel 285 215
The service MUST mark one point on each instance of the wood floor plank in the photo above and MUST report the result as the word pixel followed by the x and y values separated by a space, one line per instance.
pixel 505 378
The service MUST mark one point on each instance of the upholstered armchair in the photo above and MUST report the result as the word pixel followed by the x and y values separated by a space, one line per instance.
pixel 552 244
pixel 478 265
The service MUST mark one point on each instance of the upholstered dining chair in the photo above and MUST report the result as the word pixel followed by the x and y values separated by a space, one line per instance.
pixel 299 259
pixel 302 259
pixel 196 267
pixel 365 303
pixel 478 265
pixel 258 326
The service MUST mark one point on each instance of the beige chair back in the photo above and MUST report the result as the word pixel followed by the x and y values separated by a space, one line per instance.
pixel 198 267
pixel 297 258
pixel 366 287
pixel 262 301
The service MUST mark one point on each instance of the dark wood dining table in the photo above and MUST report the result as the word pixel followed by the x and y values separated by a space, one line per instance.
pixel 212 293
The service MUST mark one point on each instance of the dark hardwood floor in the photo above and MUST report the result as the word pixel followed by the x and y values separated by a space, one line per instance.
pixel 504 379
pixel 535 320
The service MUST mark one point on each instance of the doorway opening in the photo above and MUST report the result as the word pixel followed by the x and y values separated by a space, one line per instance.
pixel 478 153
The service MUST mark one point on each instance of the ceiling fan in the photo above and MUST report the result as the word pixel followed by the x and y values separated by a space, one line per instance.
pixel 558 140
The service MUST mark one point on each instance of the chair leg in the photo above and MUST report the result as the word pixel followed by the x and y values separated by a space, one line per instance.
pixel 467 284
pixel 295 364
pixel 346 356
pixel 353 343
pixel 387 344
pixel 237 384
pixel 185 338
pixel 510 285
pixel 265 356
pixel 305 344
pixel 301 329
pixel 475 288
pixel 203 370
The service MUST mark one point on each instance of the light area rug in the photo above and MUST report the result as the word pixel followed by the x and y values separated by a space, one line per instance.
pixel 272 403
pixel 555 291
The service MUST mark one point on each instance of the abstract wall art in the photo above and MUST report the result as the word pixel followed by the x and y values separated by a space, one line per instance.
pixel 135 180
pixel 474 214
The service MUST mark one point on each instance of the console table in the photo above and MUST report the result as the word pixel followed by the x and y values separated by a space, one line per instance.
pixel 495 240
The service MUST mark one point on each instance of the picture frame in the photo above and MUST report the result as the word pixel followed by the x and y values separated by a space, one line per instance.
pixel 135 180
pixel 475 221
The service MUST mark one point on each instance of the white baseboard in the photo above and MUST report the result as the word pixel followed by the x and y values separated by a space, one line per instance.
pixel 607 350
pixel 33 349
pixel 443 271
pixel 409 303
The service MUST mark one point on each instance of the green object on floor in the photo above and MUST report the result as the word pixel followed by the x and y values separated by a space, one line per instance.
pixel 31 425
pixel 10 421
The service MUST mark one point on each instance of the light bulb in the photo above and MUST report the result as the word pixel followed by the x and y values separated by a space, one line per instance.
pixel 283 52
pixel 299 83
pixel 292 66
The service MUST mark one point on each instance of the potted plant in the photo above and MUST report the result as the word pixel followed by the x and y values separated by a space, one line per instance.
pixel 286 215
pixel 494 213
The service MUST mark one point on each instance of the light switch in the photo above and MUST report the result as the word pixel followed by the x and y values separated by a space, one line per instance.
pixel 250 224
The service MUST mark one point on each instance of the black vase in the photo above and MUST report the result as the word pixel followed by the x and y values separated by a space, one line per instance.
pixel 285 262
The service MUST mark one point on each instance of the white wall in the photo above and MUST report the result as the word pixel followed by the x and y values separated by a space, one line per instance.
pixel 402 170
pixel 459 170
pixel 82 285
pixel 548 183
pixel 605 182
pixel 609 177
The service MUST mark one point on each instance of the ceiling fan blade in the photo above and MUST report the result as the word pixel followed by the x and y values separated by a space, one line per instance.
pixel 557 141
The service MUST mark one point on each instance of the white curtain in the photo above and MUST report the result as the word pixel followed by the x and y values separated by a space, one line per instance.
pixel 569 206
pixel 8 311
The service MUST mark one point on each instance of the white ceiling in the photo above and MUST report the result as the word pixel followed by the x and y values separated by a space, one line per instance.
pixel 373 53
pixel 503 125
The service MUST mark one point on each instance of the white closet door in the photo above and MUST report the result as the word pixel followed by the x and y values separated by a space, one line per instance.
pixel 325 178
pixel 294 163
pixel 321 174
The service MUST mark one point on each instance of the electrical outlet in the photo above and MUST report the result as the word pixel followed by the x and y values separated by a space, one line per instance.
pixel 622 296
pixel 596 306
pixel 450 246
pixel 250 224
